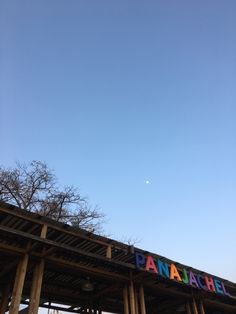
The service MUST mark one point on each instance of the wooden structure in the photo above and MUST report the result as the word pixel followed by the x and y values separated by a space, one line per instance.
pixel 52 265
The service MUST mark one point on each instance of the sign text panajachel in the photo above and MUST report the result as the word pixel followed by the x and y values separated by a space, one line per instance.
pixel 154 265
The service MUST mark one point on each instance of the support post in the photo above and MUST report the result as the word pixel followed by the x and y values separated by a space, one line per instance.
pixel 202 310
pixel 18 285
pixel 5 299
pixel 126 300
pixel 108 252
pixel 37 280
pixel 36 288
pixel 188 308
pixel 136 301
pixel 195 310
pixel 132 298
pixel 44 231
pixel 142 300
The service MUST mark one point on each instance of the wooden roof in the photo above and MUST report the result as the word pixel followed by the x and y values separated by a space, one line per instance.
pixel 72 255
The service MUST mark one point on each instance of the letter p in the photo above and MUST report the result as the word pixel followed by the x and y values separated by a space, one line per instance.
pixel 140 259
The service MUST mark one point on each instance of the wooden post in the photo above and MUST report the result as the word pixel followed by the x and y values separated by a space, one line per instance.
pixel 188 308
pixel 108 253
pixel 36 288
pixel 5 299
pixel 136 301
pixel 195 311
pixel 202 310
pixel 126 300
pixel 19 283
pixel 37 280
pixel 142 300
pixel 44 231
pixel 132 298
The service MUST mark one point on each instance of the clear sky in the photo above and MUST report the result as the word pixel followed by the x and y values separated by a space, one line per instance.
pixel 112 94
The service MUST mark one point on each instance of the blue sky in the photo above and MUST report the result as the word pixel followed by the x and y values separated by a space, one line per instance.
pixel 114 93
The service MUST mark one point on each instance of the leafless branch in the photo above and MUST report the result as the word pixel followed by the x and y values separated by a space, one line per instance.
pixel 33 187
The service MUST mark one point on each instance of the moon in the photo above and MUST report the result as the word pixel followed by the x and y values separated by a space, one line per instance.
pixel 147 181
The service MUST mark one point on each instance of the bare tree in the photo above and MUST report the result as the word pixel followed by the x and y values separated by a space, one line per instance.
pixel 34 187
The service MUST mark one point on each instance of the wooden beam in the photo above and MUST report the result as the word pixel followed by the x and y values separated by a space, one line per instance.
pixel 21 214
pixel 142 300
pixel 168 291
pixel 19 283
pixel 5 299
pixel 105 291
pixel 194 305
pixel 188 308
pixel 37 280
pixel 136 301
pixel 36 287
pixel 86 269
pixel 219 305
pixel 126 300
pixel 202 310
pixel 132 298
pixel 108 252
pixel 64 247
pixel 44 231
pixel 12 249
pixel 55 225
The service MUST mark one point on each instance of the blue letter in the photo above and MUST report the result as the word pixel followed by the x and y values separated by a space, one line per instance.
pixel 218 286
pixel 140 260
pixel 163 269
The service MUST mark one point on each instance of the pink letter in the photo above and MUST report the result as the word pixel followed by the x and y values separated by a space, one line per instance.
pixel 150 265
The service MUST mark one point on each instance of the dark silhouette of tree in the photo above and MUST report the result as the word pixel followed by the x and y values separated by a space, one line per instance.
pixel 34 187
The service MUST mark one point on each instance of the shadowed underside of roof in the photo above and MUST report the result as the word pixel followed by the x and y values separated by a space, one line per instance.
pixel 70 257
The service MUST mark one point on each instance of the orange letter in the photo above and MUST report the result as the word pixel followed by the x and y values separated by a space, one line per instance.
pixel 174 274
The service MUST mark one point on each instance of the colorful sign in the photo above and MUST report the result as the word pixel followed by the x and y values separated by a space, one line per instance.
pixel 153 265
